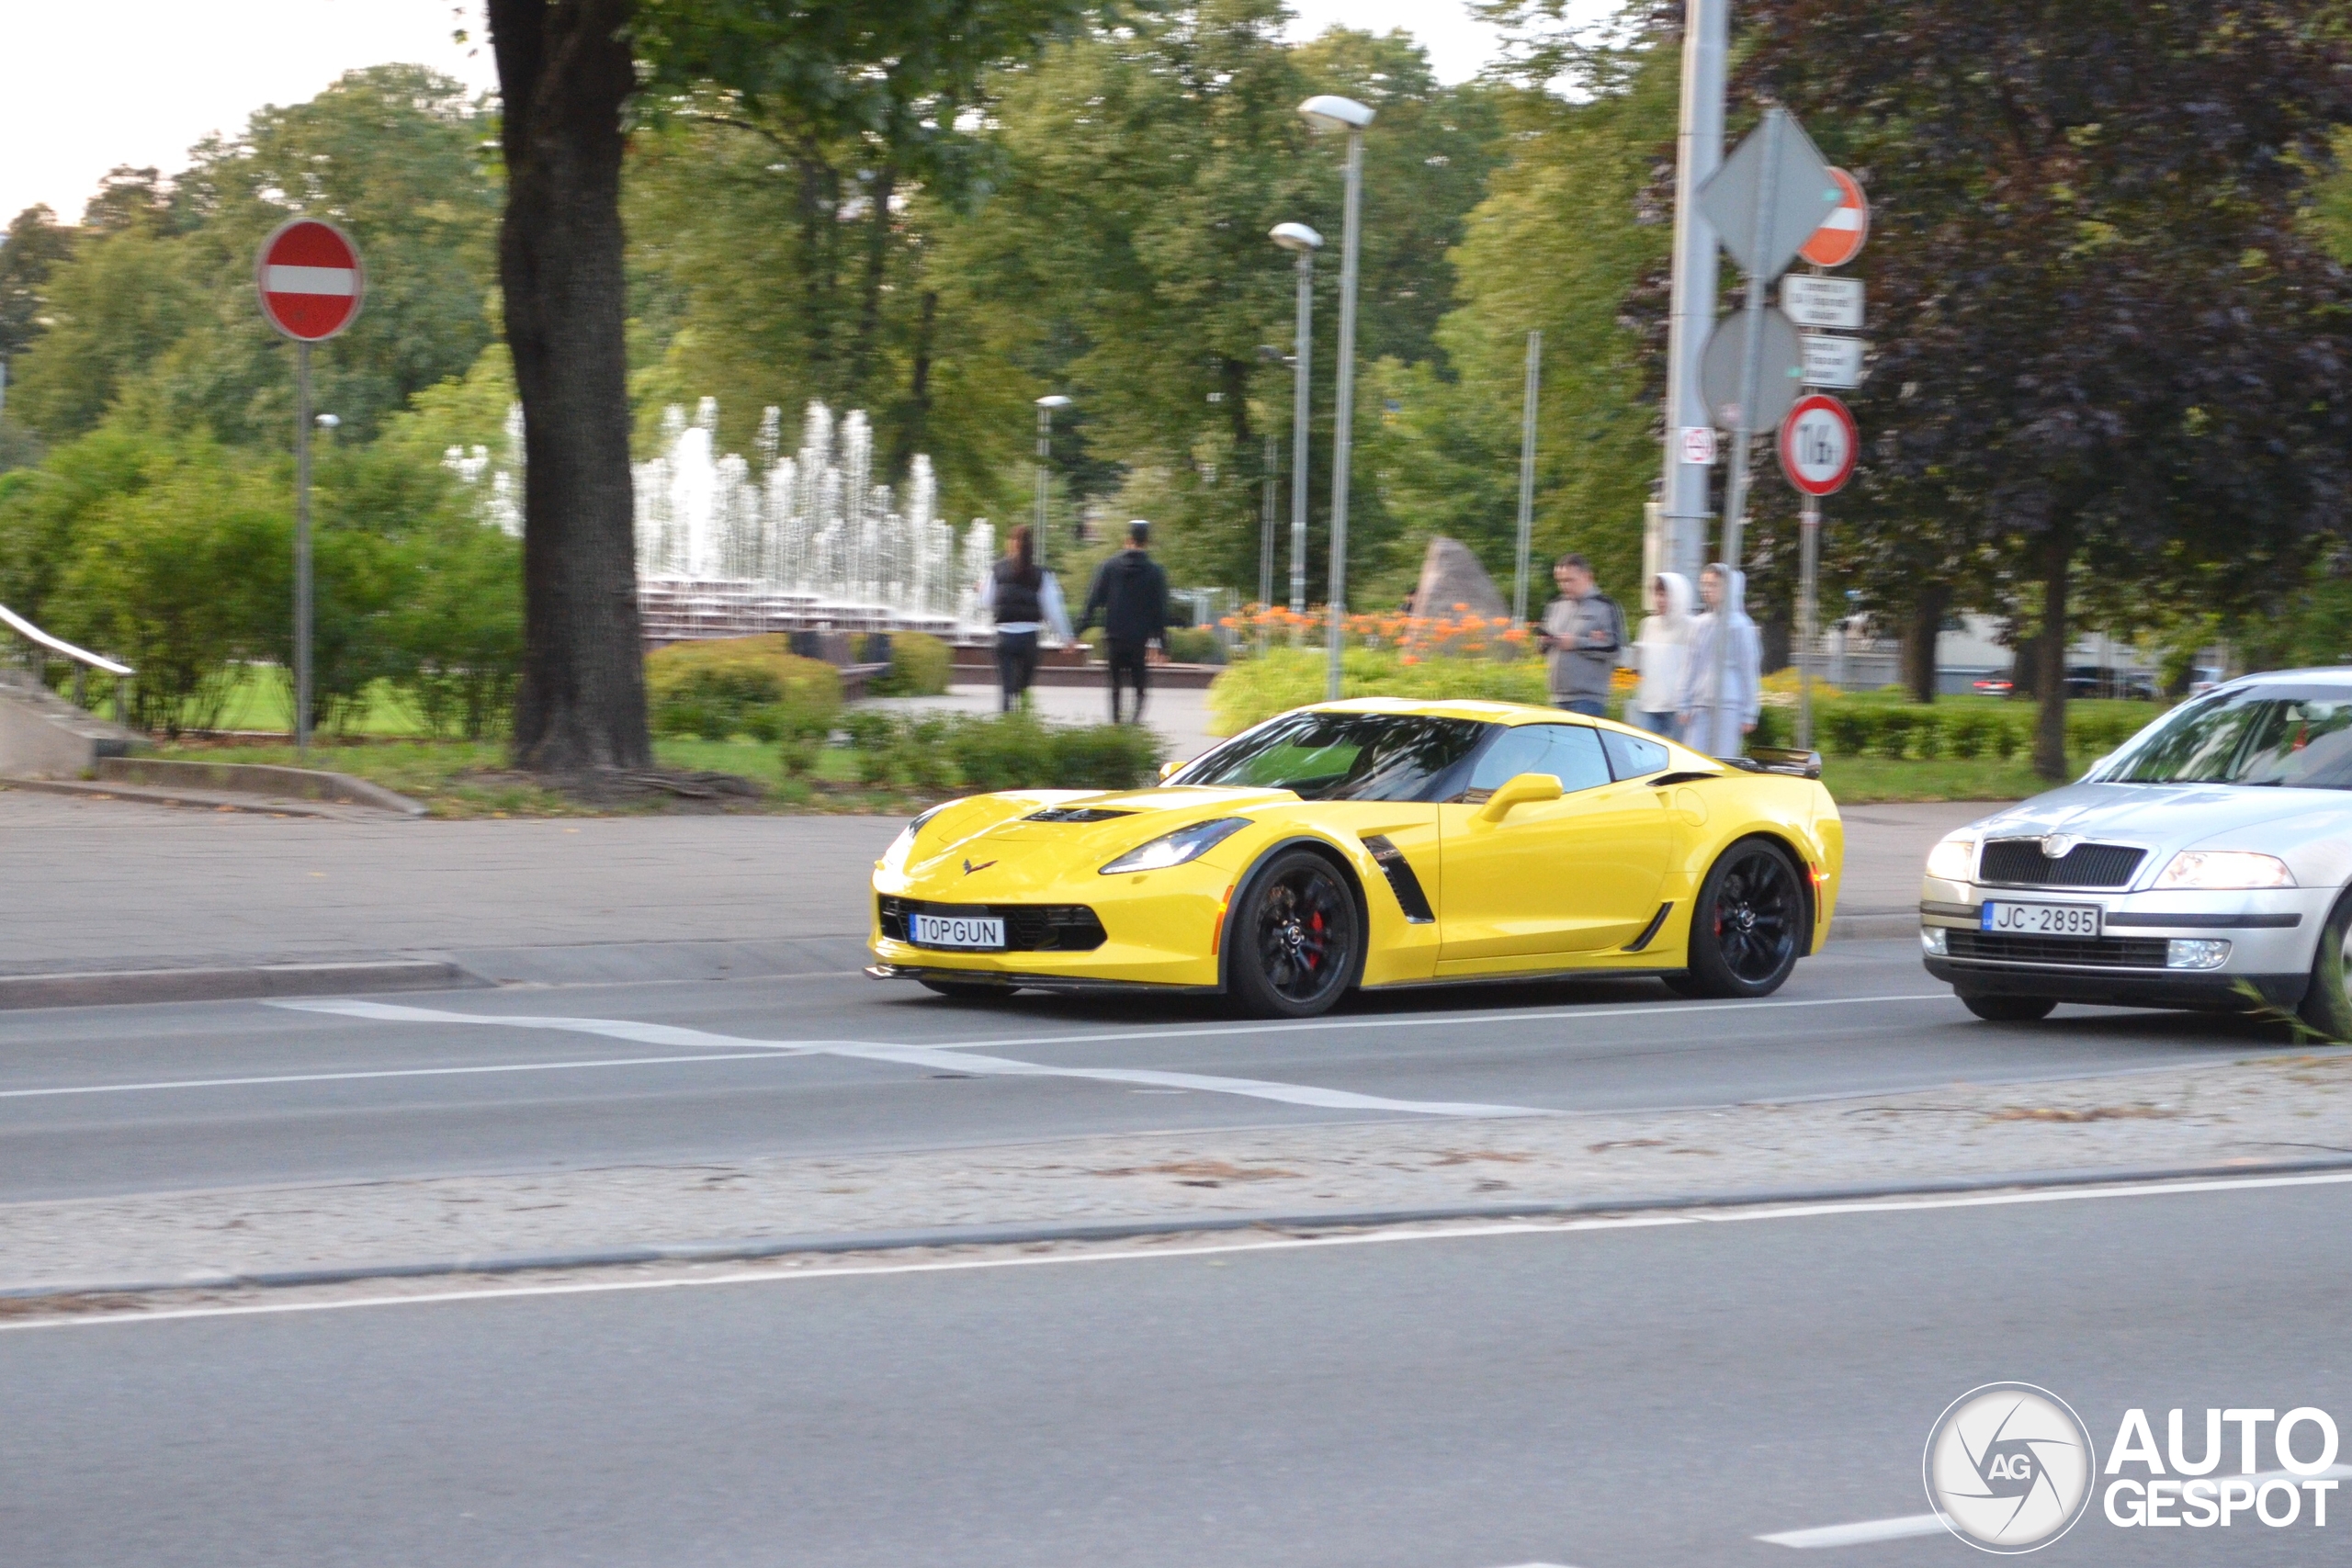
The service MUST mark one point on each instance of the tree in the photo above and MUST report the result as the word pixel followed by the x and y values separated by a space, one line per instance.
pixel 569 75
pixel 2103 329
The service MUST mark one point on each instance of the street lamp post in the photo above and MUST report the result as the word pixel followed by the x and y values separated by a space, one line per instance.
pixel 1045 406
pixel 1327 112
pixel 1303 243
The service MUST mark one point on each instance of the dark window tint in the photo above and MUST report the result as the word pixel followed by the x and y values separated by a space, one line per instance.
pixel 1340 756
pixel 1569 752
pixel 2288 737
pixel 1631 757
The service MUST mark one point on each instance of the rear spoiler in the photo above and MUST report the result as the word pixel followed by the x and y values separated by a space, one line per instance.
pixel 1787 760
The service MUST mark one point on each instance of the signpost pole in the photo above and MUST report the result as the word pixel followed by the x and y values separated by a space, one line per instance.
pixel 1343 414
pixel 301 550
pixel 1302 382
pixel 1266 536
pixel 1808 611
pixel 1699 151
pixel 1526 474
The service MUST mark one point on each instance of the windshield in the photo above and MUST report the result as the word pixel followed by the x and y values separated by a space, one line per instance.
pixel 1340 756
pixel 2293 737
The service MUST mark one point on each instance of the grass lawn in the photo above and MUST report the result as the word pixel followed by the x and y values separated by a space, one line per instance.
pixel 1861 780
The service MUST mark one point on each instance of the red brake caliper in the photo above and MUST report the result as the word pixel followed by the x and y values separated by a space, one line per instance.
pixel 1315 959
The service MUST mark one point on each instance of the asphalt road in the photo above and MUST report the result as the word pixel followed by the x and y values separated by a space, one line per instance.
pixel 113 1101
pixel 1656 1394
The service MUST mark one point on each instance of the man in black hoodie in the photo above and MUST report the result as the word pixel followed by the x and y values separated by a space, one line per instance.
pixel 1130 600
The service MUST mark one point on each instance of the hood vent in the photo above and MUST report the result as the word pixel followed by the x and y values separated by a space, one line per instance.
pixel 1075 814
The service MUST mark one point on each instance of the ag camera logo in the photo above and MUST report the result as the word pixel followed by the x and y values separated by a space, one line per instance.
pixel 2009 1467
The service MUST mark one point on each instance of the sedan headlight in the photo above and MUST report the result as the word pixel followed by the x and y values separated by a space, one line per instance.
pixel 1954 860
pixel 1176 848
pixel 2213 870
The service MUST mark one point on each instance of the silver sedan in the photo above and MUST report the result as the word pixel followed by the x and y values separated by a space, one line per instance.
pixel 2202 864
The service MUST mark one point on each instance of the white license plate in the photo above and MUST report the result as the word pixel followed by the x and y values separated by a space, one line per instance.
pixel 958 931
pixel 2040 920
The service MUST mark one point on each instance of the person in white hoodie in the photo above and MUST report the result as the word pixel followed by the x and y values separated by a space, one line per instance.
pixel 1659 654
pixel 1721 692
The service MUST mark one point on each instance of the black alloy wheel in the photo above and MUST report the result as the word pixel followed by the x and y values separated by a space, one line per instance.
pixel 1749 924
pixel 2326 1007
pixel 1296 944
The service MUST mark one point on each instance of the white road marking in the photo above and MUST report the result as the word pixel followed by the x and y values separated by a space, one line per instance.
pixel 1452 1021
pixel 936 1058
pixel 392 1073
pixel 1858 1534
pixel 1392 1236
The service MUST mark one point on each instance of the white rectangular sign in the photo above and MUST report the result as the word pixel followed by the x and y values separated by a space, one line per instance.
pixel 1823 301
pixel 1699 444
pixel 1833 361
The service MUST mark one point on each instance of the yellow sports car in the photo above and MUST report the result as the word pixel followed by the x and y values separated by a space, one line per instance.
pixel 1376 842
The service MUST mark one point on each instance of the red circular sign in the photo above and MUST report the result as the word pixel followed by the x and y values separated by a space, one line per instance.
pixel 1820 443
pixel 1839 237
pixel 309 278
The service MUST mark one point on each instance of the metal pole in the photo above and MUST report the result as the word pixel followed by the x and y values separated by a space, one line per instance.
pixel 1301 407
pixel 1750 374
pixel 1808 612
pixel 1266 530
pixel 1526 474
pixel 302 550
pixel 1699 151
pixel 1343 414
pixel 1045 450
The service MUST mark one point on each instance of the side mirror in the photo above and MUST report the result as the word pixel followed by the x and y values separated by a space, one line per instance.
pixel 1166 769
pixel 1527 789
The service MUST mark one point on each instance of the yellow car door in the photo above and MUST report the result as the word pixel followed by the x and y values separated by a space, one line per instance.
pixel 1576 875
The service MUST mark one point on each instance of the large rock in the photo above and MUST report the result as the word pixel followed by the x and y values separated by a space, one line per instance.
pixel 1451 575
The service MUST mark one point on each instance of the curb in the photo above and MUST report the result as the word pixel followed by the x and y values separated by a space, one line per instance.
pixel 754 1248
pixel 200 800
pixel 130 986
pixel 1873 928
pixel 257 778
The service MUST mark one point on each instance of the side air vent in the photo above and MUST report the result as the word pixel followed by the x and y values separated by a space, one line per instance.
pixel 1401 880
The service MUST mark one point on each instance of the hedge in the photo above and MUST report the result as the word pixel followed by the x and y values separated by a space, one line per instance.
pixel 1285 678
pixel 742 685
pixel 1901 731
pixel 1009 752
pixel 921 666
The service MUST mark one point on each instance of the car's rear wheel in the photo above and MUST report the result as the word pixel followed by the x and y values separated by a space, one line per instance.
pixel 966 991
pixel 1748 926
pixel 2327 1001
pixel 2006 1010
pixel 1295 943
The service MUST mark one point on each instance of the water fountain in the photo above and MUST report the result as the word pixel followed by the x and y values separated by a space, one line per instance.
pixel 808 542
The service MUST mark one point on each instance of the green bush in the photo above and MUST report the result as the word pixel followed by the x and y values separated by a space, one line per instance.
pixel 1106 756
pixel 921 666
pixel 1286 678
pixel 2007 738
pixel 1895 727
pixel 1851 729
pixel 1926 734
pixel 924 757
pixel 1001 752
pixel 744 686
pixel 1774 726
pixel 1965 735
pixel 1195 645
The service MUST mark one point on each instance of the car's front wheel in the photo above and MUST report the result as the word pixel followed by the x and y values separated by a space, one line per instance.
pixel 2006 1010
pixel 1749 924
pixel 1296 944
pixel 2327 1002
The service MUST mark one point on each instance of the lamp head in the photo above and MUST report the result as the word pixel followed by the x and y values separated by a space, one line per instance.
pixel 328 422
pixel 1295 237
pixel 1326 111
pixel 1053 400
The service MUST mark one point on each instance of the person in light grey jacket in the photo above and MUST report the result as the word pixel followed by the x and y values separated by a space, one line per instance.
pixel 1583 637
pixel 1722 686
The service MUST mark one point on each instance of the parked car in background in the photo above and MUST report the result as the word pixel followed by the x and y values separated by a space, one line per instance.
pixel 2102 681
pixel 1995 686
pixel 2204 864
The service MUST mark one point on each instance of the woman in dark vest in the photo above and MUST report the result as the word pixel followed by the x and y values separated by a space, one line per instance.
pixel 1025 600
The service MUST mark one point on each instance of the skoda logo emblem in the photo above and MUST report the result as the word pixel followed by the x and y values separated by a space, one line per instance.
pixel 2009 1466
pixel 2058 846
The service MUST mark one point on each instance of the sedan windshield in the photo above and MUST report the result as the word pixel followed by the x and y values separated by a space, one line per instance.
pixel 1340 756
pixel 2293 737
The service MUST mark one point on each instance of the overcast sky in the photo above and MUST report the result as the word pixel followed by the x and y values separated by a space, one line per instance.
pixel 91 83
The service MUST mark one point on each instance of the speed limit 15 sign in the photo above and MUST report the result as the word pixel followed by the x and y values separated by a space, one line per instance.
pixel 1819 444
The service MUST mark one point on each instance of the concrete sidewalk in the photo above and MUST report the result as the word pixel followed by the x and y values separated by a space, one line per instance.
pixel 100 886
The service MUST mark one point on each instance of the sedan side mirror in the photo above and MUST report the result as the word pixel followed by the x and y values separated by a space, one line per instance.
pixel 1166 769
pixel 1527 789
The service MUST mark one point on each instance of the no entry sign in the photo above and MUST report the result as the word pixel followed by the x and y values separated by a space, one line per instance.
pixel 1839 237
pixel 309 279
pixel 1819 444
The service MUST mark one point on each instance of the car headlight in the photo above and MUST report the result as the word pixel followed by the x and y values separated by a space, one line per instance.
pixel 1954 860
pixel 2218 869
pixel 1176 848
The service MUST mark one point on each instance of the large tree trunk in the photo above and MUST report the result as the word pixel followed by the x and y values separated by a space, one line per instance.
pixel 565 72
pixel 1919 634
pixel 2050 734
